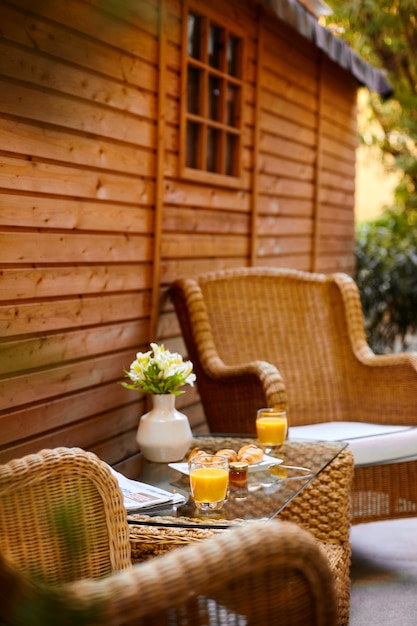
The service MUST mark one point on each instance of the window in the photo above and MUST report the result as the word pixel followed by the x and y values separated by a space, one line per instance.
pixel 212 109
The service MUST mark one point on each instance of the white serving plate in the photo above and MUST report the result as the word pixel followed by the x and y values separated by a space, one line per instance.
pixel 264 464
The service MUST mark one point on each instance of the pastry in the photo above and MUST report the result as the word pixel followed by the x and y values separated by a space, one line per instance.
pixel 231 455
pixel 250 454
pixel 196 452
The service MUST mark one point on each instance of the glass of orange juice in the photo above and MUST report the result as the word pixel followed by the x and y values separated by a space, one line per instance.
pixel 271 428
pixel 209 479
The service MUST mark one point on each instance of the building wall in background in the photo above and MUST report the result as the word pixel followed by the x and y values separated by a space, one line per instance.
pixel 96 220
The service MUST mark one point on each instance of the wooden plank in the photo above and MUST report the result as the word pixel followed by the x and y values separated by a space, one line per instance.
pixel 50 107
pixel 50 74
pixel 35 177
pixel 338 230
pixel 26 247
pixel 199 196
pixel 31 211
pixel 75 376
pixel 294 261
pixel 288 129
pixel 273 246
pixel 278 105
pixel 58 348
pixel 92 21
pixel 175 245
pixel 62 411
pixel 176 268
pixel 286 166
pixel 336 263
pixel 279 79
pixel 282 41
pixel 273 144
pixel 178 219
pixel 66 41
pixel 338 181
pixel 54 282
pixel 285 187
pixel 46 316
pixel 273 205
pixel 331 244
pixel 44 143
pixel 90 434
pixel 346 168
pixel 273 225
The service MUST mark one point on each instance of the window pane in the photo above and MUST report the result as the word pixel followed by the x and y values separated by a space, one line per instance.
pixel 214 98
pixel 192 144
pixel 213 148
pixel 231 155
pixel 215 46
pixel 194 29
pixel 193 90
pixel 233 56
pixel 232 105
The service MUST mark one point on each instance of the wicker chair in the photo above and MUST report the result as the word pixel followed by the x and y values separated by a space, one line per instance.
pixel 64 557
pixel 62 516
pixel 267 337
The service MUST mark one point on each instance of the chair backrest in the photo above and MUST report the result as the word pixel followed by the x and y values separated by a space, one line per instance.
pixel 305 324
pixel 256 574
pixel 62 516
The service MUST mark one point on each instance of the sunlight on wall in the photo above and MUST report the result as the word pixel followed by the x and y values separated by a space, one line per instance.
pixel 374 186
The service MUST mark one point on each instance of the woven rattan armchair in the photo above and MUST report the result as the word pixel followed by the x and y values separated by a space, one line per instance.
pixel 267 337
pixel 62 516
pixel 64 558
pixel 268 573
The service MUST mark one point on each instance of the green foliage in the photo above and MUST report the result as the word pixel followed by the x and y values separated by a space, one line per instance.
pixel 386 275
pixel 384 32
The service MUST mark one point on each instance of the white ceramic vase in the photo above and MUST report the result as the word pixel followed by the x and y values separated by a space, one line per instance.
pixel 164 434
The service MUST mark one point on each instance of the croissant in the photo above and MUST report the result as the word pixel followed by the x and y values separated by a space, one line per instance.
pixel 231 455
pixel 250 454
pixel 196 452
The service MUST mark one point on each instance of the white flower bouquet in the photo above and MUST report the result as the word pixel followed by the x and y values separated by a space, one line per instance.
pixel 159 371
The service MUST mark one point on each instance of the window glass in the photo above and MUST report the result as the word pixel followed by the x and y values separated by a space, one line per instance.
pixel 193 90
pixel 192 144
pixel 233 56
pixel 213 149
pixel 194 28
pixel 214 98
pixel 231 155
pixel 212 108
pixel 215 46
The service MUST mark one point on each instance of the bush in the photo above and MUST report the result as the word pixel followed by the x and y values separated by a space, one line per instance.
pixel 386 275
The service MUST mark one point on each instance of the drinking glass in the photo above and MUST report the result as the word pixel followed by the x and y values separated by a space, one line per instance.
pixel 271 428
pixel 209 479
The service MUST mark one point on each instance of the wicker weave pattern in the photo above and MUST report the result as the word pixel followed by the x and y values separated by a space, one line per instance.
pixel 250 330
pixel 70 504
pixel 270 573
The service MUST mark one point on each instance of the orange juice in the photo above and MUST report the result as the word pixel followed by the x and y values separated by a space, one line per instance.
pixel 271 429
pixel 209 484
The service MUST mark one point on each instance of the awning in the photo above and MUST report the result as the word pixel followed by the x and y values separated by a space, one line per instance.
pixel 293 14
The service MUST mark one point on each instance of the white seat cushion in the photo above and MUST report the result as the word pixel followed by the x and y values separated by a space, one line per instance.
pixel 370 443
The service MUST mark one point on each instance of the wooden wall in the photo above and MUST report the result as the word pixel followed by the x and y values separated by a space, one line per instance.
pixel 95 221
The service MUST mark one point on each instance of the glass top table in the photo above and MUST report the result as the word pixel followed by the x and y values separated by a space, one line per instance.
pixel 269 491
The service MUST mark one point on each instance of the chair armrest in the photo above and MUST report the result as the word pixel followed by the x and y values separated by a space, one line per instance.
pixel 234 569
pixel 382 388
pixel 386 388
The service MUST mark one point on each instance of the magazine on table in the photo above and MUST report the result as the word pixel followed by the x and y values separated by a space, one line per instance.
pixel 137 495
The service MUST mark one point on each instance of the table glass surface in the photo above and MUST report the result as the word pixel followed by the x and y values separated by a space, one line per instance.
pixel 269 490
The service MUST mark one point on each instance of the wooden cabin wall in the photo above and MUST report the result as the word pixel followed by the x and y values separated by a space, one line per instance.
pixel 95 221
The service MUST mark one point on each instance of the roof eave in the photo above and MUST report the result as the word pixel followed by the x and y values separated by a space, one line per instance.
pixel 296 16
